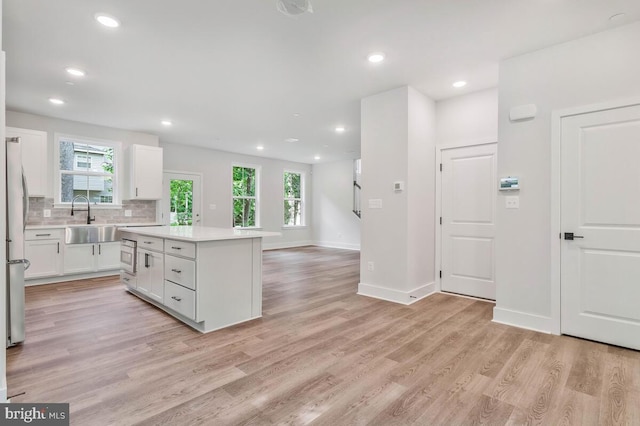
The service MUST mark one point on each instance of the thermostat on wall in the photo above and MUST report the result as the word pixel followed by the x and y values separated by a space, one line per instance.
pixel 509 183
pixel 398 186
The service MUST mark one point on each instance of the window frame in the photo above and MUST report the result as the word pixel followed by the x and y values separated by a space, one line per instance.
pixel 303 203
pixel 258 177
pixel 116 176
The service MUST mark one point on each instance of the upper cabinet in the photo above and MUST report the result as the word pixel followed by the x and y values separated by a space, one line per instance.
pixel 34 159
pixel 144 172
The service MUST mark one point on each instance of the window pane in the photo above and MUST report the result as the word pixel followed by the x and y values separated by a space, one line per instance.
pixel 292 185
pixel 292 212
pixel 244 212
pixel 181 202
pixel 244 182
pixel 66 155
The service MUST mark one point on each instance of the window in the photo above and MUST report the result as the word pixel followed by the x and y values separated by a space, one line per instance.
pixel 245 197
pixel 293 199
pixel 88 168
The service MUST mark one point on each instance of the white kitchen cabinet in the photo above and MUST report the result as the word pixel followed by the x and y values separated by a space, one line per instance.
pixel 34 158
pixel 79 258
pixel 43 248
pixel 150 275
pixel 83 258
pixel 108 256
pixel 144 172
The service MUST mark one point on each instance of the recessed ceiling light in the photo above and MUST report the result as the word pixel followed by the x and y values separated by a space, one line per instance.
pixel 459 84
pixel 260 147
pixel 56 101
pixel 107 20
pixel 317 157
pixel 70 83
pixel 166 122
pixel 291 140
pixel 76 72
pixel 340 129
pixel 296 114
pixel 617 16
pixel 376 57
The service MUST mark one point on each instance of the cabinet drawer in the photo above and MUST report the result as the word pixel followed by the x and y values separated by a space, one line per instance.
pixel 180 299
pixel 43 234
pixel 180 248
pixel 150 243
pixel 128 279
pixel 181 271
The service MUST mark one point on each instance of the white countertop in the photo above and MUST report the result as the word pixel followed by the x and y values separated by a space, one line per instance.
pixel 198 233
pixel 76 225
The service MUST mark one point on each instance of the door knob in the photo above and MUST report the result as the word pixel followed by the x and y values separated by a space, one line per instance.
pixel 571 236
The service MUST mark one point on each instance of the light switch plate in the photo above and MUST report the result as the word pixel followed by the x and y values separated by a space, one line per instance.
pixel 46 213
pixel 375 203
pixel 512 202
pixel 212 206
pixel 127 213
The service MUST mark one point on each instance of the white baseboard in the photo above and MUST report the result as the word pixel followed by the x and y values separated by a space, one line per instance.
pixel 523 320
pixel 397 296
pixel 65 278
pixel 338 245
pixel 3 395
pixel 283 245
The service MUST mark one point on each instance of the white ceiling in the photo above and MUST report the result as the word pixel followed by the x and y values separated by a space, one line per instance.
pixel 231 74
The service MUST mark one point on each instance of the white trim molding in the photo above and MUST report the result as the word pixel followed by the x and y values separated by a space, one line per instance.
pixel 337 245
pixel 397 296
pixel 524 320
pixel 284 245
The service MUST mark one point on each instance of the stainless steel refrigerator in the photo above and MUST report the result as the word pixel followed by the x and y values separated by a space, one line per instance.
pixel 17 209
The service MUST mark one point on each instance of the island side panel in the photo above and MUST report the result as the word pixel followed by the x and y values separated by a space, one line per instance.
pixel 224 282
pixel 256 309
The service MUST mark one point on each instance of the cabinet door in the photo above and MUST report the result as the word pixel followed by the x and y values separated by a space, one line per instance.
pixel 45 257
pixel 108 256
pixel 150 278
pixel 34 158
pixel 145 172
pixel 79 258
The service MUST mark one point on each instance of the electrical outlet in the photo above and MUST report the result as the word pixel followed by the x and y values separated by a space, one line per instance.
pixel 371 266
pixel 512 202
pixel 46 213
pixel 127 213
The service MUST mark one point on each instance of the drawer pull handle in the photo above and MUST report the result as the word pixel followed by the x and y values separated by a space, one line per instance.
pixel 148 242
pixel 177 248
pixel 177 271
pixel 43 235
pixel 126 279
pixel 177 299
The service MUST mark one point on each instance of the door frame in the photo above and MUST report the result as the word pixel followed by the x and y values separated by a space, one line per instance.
pixel 556 214
pixel 438 203
pixel 163 207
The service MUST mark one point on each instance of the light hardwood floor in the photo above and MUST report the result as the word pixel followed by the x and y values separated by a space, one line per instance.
pixel 320 355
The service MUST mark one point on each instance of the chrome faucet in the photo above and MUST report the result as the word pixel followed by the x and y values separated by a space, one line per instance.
pixel 88 210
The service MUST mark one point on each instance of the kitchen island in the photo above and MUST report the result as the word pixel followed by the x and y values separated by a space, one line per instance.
pixel 208 278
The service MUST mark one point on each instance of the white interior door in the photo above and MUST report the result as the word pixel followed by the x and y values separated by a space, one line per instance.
pixel 468 194
pixel 600 204
pixel 182 199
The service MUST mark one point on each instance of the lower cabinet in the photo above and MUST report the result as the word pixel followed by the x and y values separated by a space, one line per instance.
pixel 83 258
pixel 45 257
pixel 150 275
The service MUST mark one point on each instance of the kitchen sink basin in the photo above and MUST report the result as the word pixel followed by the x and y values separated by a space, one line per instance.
pixel 91 234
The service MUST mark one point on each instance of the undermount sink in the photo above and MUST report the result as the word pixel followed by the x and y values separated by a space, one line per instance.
pixel 91 234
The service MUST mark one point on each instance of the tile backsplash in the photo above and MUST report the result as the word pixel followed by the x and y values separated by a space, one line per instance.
pixel 141 212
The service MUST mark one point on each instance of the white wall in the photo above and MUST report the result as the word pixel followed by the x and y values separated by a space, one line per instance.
pixel 468 119
pixel 54 125
pixel 216 169
pixel 594 69
pixel 334 223
pixel 397 145
pixel 3 220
